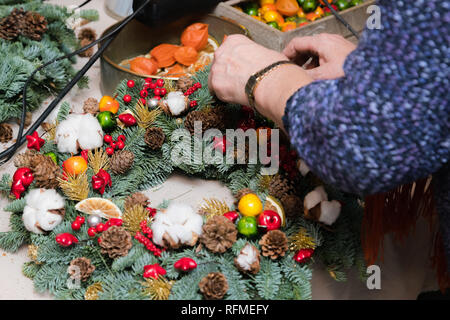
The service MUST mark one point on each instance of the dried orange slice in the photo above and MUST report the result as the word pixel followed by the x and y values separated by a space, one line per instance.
pixel 102 207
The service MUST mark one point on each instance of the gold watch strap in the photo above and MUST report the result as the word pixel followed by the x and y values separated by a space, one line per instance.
pixel 254 80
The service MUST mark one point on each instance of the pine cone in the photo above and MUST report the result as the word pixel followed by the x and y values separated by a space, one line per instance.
pixel 280 186
pixel 292 205
pixel 154 138
pixel 85 269
pixel 274 244
pixel 88 52
pixel 30 24
pixel 35 26
pixel 46 173
pixel 88 34
pixel 23 159
pixel 136 198
pixel 209 118
pixel 185 83
pixel 214 286
pixel 28 119
pixel 5 132
pixel 91 106
pixel 115 242
pixel 219 234
pixel 121 161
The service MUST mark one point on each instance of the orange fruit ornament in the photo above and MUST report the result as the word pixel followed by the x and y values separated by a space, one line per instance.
pixel 108 103
pixel 250 205
pixel 287 7
pixel 75 165
pixel 102 207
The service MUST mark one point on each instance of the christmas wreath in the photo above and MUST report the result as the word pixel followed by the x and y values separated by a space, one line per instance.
pixel 92 234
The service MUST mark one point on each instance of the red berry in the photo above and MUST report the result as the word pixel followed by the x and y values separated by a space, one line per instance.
pixel 99 240
pixel 143 101
pixel 130 83
pixel 160 83
pixel 152 86
pixel 197 85
pixel 186 93
pixel 157 92
pixel 121 138
pixel 80 219
pixel 113 145
pixel 157 97
pixel 91 232
pixel 193 104
pixel 109 151
pixel 127 98
pixel 100 227
pixel 144 93
pixel 76 225
pixel 107 138
pixel 120 145
pixel 163 92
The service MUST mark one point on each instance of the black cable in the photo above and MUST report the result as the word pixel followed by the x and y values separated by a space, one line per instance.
pixel 108 38
pixel 341 19
pixel 83 4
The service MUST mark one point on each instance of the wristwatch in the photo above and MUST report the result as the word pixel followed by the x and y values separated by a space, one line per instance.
pixel 256 78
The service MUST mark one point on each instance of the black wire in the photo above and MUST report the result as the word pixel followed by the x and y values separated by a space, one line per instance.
pixel 83 4
pixel 341 19
pixel 107 38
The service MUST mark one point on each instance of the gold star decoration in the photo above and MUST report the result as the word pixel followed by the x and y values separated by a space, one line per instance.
pixel 92 291
pixel 301 240
pixel 157 289
pixel 213 207
pixel 144 117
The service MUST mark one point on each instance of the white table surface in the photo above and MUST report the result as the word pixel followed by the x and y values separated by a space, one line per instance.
pixel 404 274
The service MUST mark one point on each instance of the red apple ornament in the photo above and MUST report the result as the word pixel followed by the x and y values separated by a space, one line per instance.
pixel 269 220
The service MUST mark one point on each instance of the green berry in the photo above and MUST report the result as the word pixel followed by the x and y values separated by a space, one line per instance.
pixel 248 226
pixel 309 5
pixel 273 24
pixel 52 155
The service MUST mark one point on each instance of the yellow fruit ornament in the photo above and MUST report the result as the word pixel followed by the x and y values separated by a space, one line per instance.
pixel 108 103
pixel 250 205
pixel 75 165
pixel 264 2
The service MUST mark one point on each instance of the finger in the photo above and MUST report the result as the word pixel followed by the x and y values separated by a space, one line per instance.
pixel 299 45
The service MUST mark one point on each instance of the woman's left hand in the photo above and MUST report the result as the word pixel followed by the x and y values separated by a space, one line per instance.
pixel 234 62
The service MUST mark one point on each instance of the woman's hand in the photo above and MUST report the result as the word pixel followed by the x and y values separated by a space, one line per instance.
pixel 234 62
pixel 331 50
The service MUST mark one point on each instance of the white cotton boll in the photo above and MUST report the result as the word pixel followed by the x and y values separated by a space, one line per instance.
pixel 180 222
pixel 329 211
pixel 176 102
pixel 44 210
pixel 78 131
pixel 247 257
pixel 30 221
pixel 66 134
pixel 90 134
pixel 48 221
pixel 315 197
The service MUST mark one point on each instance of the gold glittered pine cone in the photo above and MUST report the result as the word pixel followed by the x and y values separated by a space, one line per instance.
pixel 219 234
pixel 184 83
pixel 46 173
pixel 154 138
pixel 136 198
pixel 6 132
pixel 280 186
pixel 214 286
pixel 274 244
pixel 292 205
pixel 90 105
pixel 121 161
pixel 115 242
pixel 85 269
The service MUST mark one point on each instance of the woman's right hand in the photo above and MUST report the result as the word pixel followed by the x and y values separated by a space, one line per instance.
pixel 331 50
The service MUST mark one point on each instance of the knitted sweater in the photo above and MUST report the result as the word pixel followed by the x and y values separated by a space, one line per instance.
pixel 386 123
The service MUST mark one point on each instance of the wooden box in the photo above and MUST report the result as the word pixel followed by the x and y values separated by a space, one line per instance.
pixel 275 39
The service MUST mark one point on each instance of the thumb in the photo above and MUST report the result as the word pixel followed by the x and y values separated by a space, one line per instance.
pixel 300 45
